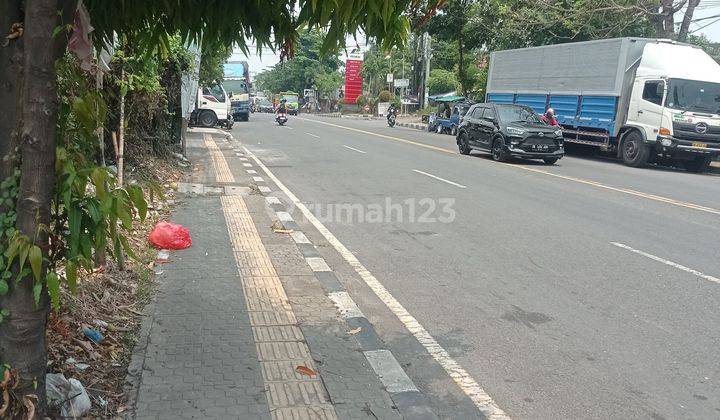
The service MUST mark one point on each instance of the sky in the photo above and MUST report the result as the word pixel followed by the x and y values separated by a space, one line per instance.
pixel 707 8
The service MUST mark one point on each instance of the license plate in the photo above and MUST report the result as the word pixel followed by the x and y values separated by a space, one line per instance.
pixel 702 145
pixel 540 146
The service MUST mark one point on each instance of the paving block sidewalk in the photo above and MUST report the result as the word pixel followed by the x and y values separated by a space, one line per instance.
pixel 241 326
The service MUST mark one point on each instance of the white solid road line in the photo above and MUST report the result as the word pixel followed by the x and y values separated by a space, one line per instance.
pixel 352 148
pixel 440 179
pixel 462 378
pixel 312 135
pixel 668 262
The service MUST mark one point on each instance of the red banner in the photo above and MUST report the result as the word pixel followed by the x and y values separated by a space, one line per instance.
pixel 353 78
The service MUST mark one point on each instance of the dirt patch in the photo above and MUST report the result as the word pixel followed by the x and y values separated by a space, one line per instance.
pixel 111 301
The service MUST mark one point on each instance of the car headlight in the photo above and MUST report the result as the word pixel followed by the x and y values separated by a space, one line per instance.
pixel 515 131
pixel 666 142
pixel 558 133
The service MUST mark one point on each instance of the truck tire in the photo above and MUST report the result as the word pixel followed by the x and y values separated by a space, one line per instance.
pixel 207 119
pixel 698 165
pixel 634 151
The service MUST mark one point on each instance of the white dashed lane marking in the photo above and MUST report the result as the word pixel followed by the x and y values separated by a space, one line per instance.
pixel 352 148
pixel 312 135
pixel 439 179
pixel 668 262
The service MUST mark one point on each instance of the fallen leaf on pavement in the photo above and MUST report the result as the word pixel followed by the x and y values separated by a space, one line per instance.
pixel 305 370
pixel 354 331
pixel 282 230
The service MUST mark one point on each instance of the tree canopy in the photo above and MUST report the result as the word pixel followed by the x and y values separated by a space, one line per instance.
pixel 307 69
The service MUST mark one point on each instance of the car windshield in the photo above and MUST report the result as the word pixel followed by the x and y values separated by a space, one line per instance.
pixel 464 110
pixel 694 96
pixel 510 114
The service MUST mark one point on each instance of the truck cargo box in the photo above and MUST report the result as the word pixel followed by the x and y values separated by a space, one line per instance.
pixel 579 68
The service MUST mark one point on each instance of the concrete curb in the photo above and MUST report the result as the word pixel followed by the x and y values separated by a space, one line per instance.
pixel 408 399
pixel 416 126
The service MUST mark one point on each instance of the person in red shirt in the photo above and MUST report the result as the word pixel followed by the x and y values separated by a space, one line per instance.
pixel 549 118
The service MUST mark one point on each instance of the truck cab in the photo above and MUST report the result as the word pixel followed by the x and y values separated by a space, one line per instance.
pixel 675 105
pixel 212 107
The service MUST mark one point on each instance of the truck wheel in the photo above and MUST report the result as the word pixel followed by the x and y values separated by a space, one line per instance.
pixel 430 128
pixel 464 144
pixel 698 165
pixel 498 150
pixel 634 151
pixel 208 119
pixel 439 129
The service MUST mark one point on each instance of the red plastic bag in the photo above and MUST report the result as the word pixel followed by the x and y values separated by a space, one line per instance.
pixel 170 236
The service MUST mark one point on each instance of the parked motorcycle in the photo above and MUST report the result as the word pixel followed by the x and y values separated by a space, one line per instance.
pixel 281 118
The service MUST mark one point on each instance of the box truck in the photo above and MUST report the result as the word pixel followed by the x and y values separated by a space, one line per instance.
pixel 647 100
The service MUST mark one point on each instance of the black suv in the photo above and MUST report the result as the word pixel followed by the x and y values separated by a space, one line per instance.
pixel 509 131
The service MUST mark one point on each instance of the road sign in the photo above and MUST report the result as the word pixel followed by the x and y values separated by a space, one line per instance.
pixel 401 83
pixel 389 77
pixel 353 78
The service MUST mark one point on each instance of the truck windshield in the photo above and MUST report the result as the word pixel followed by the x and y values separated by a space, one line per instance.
pixel 290 98
pixel 693 96
pixel 509 114
pixel 235 86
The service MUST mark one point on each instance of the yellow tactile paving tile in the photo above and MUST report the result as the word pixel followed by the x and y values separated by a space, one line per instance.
pixel 280 344
pixel 222 170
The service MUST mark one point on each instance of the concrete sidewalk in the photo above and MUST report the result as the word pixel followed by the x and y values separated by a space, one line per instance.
pixel 242 325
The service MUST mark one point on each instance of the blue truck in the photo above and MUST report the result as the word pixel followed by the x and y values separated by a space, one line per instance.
pixel 646 100
pixel 236 82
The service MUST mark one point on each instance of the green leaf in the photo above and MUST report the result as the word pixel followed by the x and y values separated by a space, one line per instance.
pixel 37 289
pixel 127 247
pixel 93 209
pixel 5 312
pixel 35 257
pixel 3 287
pixel 74 224
pixel 53 288
pixel 98 177
pixel 71 276
pixel 136 195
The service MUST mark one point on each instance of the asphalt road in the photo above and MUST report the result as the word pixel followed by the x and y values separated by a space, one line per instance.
pixel 586 289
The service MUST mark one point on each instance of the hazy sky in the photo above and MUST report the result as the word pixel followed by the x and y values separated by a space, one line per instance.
pixel 707 8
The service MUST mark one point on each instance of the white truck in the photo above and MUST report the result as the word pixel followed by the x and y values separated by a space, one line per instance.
pixel 648 100
pixel 212 107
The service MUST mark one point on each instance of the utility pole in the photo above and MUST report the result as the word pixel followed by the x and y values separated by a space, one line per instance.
pixel 425 69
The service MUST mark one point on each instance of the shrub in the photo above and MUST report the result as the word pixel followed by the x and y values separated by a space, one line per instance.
pixel 385 96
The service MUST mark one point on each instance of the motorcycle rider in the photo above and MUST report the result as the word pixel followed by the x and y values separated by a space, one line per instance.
pixel 391 111
pixel 549 118
pixel 282 107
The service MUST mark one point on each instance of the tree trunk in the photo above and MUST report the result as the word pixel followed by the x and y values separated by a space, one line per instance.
pixel 11 56
pixel 22 334
pixel 685 26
